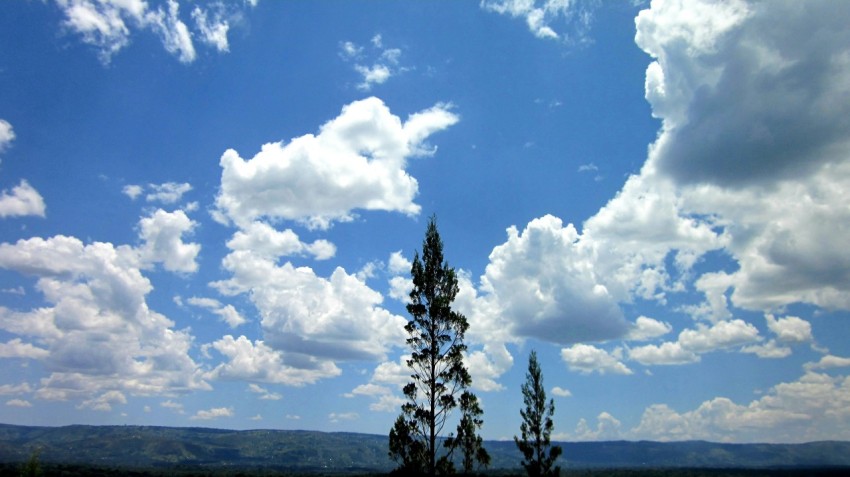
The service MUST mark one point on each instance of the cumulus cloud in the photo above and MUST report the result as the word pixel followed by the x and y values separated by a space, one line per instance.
pixel 811 408
pixel 541 15
pixel 694 342
pixel 753 139
pixel 162 241
pixel 264 240
pixel 168 192
pixel 356 161
pixel 338 317
pixel 255 361
pixel 23 200
pixel 646 328
pixel 7 134
pixel 104 402
pixel 213 413
pixel 109 25
pixel 543 284
pixel 95 325
pixel 588 359
pixel 15 348
pixel 227 313
pixel 18 403
pixel 264 393
pixel 561 392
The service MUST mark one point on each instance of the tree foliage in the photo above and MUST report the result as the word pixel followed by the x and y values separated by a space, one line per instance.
pixel 439 376
pixel 539 455
pixel 468 440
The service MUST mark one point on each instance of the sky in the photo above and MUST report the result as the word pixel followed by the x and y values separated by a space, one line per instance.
pixel 208 211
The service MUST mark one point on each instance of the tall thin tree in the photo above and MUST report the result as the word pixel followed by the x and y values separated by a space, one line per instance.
pixel 435 337
pixel 539 455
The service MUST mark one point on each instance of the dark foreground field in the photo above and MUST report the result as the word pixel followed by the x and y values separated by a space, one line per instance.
pixel 74 470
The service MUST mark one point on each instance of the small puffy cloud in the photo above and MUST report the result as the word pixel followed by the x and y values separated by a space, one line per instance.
pixel 790 329
pixel 647 328
pixel 262 239
pixel 356 161
pixel 383 65
pixel 398 264
pixel 15 348
pixel 213 413
pixel 174 406
pixel 23 200
pixel 607 428
pixel 227 313
pixel 558 391
pixel 132 191
pixel 162 236
pixel 343 416
pixel 13 389
pixel 7 134
pixel 665 353
pixel 725 334
pixel 104 402
pixel 540 16
pixel 829 362
pixel 588 359
pixel 18 403
pixel 166 193
pixel 264 393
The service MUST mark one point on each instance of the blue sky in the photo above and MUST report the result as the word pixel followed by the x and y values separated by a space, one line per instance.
pixel 208 211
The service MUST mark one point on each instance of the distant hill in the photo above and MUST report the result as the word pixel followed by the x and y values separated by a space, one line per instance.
pixel 306 451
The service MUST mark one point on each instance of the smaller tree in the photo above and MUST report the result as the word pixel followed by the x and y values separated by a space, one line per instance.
pixel 468 440
pixel 408 452
pixel 537 425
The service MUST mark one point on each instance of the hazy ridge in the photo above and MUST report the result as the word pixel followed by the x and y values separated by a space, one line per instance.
pixel 147 446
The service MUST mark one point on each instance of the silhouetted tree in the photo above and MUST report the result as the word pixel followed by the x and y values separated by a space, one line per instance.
pixel 537 425
pixel 468 440
pixel 435 336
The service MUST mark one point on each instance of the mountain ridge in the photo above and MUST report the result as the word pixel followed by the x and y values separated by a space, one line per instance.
pixel 305 450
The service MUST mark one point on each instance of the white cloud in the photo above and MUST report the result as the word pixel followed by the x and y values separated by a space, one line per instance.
pixel 587 359
pixel 338 317
pixel 7 134
pixel 213 413
pixel 174 406
pixel 262 239
pixel 95 323
pixel 18 403
pixel 254 361
pixel 753 139
pixel 665 353
pixel 558 391
pixel 162 236
pixel 213 32
pixel 227 313
pixel 343 416
pixel 809 409
pixel 22 201
pixel 540 15
pixel 646 328
pixel 15 348
pixel 12 389
pixel 398 264
pixel 264 393
pixel 104 402
pixel 790 329
pixel 829 362
pixel 167 193
pixel 543 284
pixel 356 161
pixel 607 428
pixel 132 191
pixel 384 62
